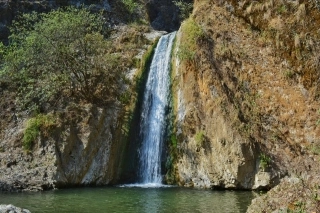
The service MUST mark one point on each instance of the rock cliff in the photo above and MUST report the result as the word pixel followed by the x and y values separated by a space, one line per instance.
pixel 86 152
pixel 212 154
pixel 163 15
pixel 246 99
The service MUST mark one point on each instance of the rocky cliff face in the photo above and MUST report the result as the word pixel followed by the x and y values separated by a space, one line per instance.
pixel 91 151
pixel 86 152
pixel 84 145
pixel 251 90
pixel 211 153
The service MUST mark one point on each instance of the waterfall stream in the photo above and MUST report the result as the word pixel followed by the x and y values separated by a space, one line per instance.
pixel 153 117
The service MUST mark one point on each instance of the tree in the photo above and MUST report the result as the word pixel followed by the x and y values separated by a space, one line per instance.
pixel 185 8
pixel 61 54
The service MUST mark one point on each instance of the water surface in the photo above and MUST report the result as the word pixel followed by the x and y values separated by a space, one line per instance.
pixel 131 200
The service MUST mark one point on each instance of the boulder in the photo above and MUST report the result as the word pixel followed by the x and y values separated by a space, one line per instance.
pixel 12 209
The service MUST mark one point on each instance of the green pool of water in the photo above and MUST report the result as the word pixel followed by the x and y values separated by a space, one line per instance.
pixel 131 200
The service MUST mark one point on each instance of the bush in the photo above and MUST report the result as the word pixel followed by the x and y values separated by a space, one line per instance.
pixel 174 141
pixel 199 137
pixel 34 125
pixel 130 5
pixel 264 161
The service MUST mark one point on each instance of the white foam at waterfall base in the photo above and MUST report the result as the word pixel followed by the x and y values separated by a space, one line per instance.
pixel 145 185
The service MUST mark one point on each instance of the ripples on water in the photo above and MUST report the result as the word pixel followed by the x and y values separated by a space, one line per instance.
pixel 131 200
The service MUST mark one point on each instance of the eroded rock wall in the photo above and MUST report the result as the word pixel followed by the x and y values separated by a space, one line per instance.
pixel 221 158
pixel 86 152
pixel 90 153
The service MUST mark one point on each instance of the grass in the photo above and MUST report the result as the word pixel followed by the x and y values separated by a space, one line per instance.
pixel 288 74
pixel 282 9
pixel 315 149
pixel 191 32
pixel 199 138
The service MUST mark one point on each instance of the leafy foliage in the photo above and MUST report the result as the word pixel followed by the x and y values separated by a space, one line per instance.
pixel 61 54
pixel 130 5
pixel 185 9
pixel 265 161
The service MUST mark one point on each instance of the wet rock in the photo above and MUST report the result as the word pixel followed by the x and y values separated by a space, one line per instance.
pixel 12 209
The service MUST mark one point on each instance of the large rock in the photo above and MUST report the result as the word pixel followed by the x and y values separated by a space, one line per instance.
pixel 12 209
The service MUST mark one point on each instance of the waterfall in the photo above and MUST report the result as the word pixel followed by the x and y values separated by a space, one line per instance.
pixel 153 116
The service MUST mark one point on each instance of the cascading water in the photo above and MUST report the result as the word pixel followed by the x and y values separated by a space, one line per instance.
pixel 155 104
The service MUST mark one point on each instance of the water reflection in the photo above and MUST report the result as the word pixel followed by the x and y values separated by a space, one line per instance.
pixel 131 200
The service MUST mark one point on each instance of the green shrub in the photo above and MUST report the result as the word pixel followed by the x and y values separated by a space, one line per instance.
pixel 144 66
pixel 185 9
pixel 130 5
pixel 174 140
pixel 200 138
pixel 264 161
pixel 43 123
